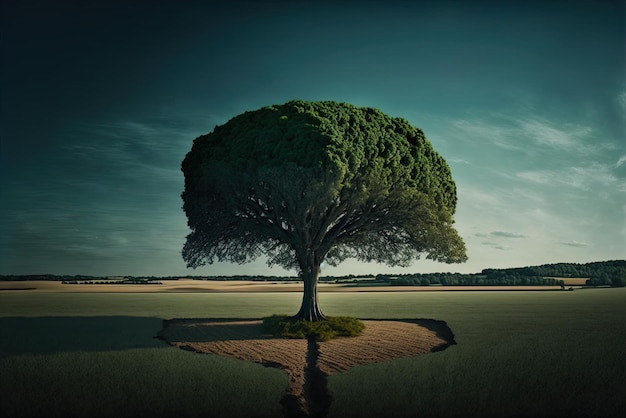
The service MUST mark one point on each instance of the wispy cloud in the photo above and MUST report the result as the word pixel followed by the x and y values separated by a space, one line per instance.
pixel 528 133
pixel 495 245
pixel 539 176
pixel 459 161
pixel 117 154
pixel 621 99
pixel 474 195
pixel 575 244
pixel 565 137
pixel 491 131
pixel 128 141
pixel 594 176
pixel 505 234
pixel 114 189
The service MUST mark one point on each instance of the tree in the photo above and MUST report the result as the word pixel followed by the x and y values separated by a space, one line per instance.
pixel 307 182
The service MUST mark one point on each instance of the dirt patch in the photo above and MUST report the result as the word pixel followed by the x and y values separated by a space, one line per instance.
pixel 384 341
pixel 381 340
pixel 242 340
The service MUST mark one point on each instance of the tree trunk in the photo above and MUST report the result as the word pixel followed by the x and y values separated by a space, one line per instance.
pixel 310 309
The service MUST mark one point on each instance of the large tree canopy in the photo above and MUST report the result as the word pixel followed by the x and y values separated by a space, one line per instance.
pixel 306 182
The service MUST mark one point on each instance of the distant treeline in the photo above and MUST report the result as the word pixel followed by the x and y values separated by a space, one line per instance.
pixel 601 273
pixel 134 280
pixel 458 279
pixel 595 270
pixel 79 278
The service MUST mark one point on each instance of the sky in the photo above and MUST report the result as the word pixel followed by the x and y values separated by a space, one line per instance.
pixel 101 101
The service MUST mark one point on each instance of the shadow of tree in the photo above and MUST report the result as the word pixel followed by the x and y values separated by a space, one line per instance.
pixel 212 330
pixel 47 335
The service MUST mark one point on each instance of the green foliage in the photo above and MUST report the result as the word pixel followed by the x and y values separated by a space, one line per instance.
pixel 334 326
pixel 319 180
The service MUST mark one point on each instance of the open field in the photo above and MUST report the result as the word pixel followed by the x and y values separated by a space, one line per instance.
pixel 518 354
pixel 236 286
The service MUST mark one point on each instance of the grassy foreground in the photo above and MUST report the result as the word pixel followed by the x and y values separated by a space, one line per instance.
pixel 517 354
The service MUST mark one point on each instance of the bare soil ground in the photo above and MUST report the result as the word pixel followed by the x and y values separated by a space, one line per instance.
pixel 381 340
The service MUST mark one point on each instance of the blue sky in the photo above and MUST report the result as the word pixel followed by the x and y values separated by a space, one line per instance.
pixel 101 101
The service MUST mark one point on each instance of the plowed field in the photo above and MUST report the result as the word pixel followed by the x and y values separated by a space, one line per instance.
pixel 381 340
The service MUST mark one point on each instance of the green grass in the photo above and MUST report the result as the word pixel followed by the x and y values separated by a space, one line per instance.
pixel 156 305
pixel 333 326
pixel 517 354
pixel 161 382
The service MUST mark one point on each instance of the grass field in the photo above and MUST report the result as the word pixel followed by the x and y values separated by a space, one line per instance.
pixel 554 353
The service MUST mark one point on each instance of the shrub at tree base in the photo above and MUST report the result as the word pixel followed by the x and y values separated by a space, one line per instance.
pixel 331 327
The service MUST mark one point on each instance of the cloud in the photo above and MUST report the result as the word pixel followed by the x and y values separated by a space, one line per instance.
pixel 505 234
pixel 459 161
pixel 594 176
pixel 528 133
pixel 137 161
pixel 621 99
pixel 564 137
pixel 501 234
pixel 574 244
pixel 538 176
pixel 495 245
pixel 621 161
pixel 110 238
pixel 477 196
pixel 487 130
pixel 153 143
pixel 111 194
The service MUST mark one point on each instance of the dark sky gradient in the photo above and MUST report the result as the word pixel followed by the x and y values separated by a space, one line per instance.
pixel 100 101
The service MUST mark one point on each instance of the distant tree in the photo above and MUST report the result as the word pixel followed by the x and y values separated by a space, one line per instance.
pixel 618 282
pixel 402 281
pixel 619 278
pixel 307 182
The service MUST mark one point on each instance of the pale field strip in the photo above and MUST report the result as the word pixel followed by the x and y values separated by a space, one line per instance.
pixel 236 286
pixel 573 281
